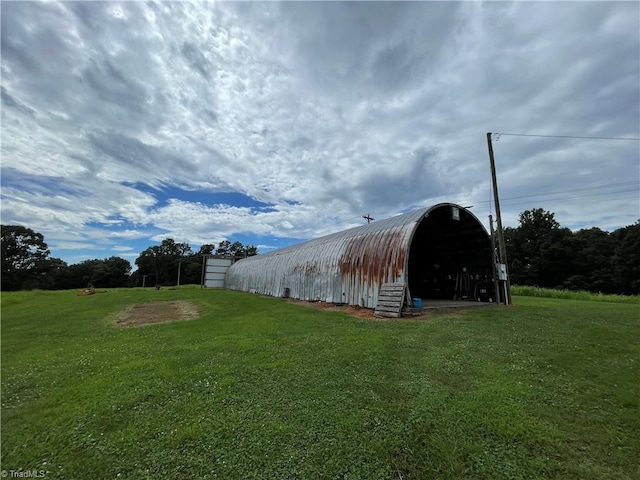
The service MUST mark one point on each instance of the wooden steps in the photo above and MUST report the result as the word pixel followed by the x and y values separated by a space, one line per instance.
pixel 390 300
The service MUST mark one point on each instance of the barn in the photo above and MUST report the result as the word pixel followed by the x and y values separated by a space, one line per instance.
pixel 439 252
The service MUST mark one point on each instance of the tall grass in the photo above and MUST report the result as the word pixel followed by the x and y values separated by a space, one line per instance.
pixel 525 291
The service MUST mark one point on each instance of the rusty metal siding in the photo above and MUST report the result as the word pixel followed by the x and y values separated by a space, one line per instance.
pixel 344 267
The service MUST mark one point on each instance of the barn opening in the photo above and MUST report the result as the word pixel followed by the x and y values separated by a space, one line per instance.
pixel 450 257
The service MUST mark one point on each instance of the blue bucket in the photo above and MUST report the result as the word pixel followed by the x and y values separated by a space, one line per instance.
pixel 417 302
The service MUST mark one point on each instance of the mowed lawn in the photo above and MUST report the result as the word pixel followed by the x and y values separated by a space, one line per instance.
pixel 262 388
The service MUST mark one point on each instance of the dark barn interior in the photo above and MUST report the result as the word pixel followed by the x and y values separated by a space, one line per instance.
pixel 450 257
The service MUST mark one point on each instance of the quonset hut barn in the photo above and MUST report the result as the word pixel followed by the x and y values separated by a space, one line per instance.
pixel 440 252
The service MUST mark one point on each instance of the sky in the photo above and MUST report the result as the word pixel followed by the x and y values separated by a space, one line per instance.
pixel 272 123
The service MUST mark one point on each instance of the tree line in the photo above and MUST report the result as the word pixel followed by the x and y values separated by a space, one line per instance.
pixel 164 264
pixel 540 252
pixel 27 264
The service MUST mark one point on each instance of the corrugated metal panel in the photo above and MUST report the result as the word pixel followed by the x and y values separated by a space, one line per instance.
pixel 215 271
pixel 218 268
pixel 344 267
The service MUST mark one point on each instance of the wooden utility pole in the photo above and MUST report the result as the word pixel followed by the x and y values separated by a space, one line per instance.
pixel 368 218
pixel 179 264
pixel 496 288
pixel 204 263
pixel 501 245
pixel 144 279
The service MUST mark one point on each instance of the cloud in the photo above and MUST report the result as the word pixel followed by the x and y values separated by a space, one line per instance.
pixel 129 234
pixel 124 249
pixel 11 102
pixel 324 111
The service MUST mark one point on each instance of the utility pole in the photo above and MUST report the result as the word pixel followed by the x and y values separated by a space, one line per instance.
pixel 501 246
pixel 496 288
pixel 368 218
pixel 144 279
pixel 179 263
pixel 204 263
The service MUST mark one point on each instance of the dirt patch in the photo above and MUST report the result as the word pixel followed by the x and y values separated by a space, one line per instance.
pixel 361 312
pixel 158 312
pixel 353 310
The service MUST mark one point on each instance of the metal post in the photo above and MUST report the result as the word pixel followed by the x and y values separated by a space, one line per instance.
pixel 204 262
pixel 501 246
pixel 496 288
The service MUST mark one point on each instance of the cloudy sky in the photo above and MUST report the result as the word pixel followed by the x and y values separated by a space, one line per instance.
pixel 270 123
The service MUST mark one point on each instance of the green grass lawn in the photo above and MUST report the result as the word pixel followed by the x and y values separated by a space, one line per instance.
pixel 261 388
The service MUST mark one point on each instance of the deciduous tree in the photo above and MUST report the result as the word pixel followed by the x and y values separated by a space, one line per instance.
pixel 24 256
pixel 162 260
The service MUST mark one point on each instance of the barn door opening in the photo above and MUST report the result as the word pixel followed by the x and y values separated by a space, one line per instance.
pixel 450 257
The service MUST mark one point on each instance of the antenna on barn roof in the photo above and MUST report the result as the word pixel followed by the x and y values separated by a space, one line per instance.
pixel 368 218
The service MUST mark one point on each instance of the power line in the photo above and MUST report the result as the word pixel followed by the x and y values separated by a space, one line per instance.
pixel 571 199
pixel 552 205
pixel 507 201
pixel 498 135
pixel 610 185
pixel 552 199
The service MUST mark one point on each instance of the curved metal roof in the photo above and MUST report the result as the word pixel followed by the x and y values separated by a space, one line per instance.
pixel 343 267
